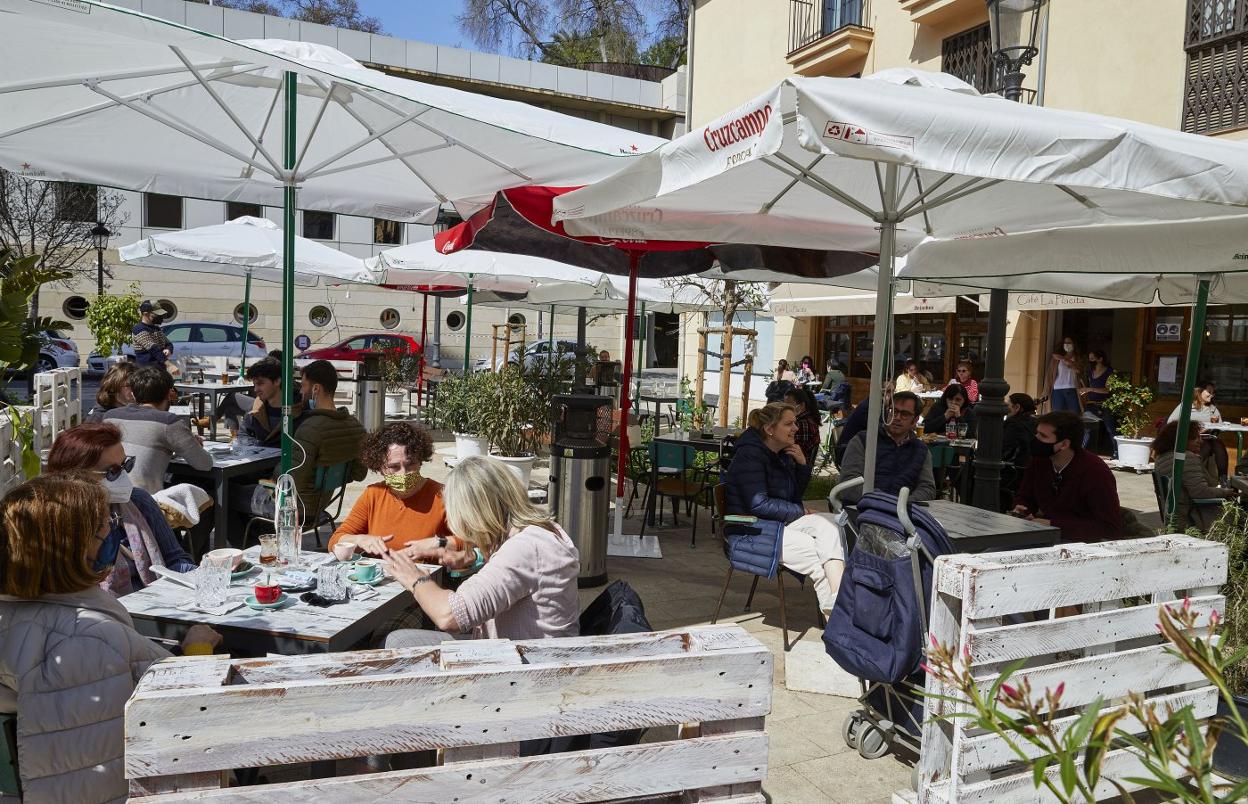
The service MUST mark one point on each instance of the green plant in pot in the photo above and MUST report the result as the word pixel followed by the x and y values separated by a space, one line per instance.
pixel 1129 405
pixel 516 417
pixel 400 370
pixel 1231 529
pixel 457 406
pixel 111 319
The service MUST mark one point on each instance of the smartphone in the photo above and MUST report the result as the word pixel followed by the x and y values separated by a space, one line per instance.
pixel 739 519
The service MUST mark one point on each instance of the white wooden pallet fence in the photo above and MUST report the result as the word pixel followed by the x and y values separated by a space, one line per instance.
pixel 191 719
pixel 58 400
pixel 1109 649
pixel 10 456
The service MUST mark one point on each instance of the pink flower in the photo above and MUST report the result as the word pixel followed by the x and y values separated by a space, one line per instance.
pixel 1009 691
pixel 1057 693
pixel 1215 618
pixel 935 644
pixel 1187 603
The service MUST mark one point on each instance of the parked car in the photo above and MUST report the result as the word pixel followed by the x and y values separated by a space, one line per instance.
pixel 58 351
pixel 192 339
pixel 533 355
pixel 357 346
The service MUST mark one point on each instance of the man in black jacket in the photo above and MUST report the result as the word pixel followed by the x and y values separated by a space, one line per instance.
pixel 151 347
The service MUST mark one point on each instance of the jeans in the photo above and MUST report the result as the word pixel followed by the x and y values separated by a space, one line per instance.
pixel 1065 399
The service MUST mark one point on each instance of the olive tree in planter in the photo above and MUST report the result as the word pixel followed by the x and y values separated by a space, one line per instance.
pixel 400 370
pixel 458 406
pixel 517 414
pixel 1129 404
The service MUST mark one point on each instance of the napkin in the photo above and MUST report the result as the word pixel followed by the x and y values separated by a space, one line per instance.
pixel 362 592
pixel 224 608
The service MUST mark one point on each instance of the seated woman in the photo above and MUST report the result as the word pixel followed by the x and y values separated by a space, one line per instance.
pixel 136 521
pixel 1020 430
pixel 803 401
pixel 1200 480
pixel 1205 412
pixel 69 654
pixel 114 391
pixel 404 506
pixel 806 370
pixel 524 586
pixel 767 477
pixel 953 407
pixel 911 379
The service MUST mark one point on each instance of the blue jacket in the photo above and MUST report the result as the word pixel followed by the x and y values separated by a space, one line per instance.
pixel 763 483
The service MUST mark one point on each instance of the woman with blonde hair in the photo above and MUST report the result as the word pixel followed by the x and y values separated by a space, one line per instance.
pixel 69 654
pixel 767 479
pixel 524 566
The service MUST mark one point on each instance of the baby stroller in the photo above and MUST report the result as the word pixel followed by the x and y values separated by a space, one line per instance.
pixel 878 627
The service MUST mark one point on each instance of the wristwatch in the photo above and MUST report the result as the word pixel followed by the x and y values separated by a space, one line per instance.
pixel 442 542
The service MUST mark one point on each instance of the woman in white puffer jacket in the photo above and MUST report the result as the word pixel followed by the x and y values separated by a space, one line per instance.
pixel 69 654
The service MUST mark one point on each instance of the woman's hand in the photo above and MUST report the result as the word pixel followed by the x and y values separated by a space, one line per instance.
pixel 428 552
pixel 953 409
pixel 403 567
pixel 200 635
pixel 368 543
pixel 796 453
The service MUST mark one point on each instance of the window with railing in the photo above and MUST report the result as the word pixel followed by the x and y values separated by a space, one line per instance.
pixel 1215 96
pixel 968 56
pixel 812 20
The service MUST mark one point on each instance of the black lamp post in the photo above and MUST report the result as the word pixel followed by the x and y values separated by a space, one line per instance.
pixel 99 238
pixel 1014 25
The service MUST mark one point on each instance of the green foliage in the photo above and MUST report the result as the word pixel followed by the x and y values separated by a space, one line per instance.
pixel 458 404
pixel 1231 529
pixel 668 51
pixel 20 335
pixel 24 437
pixel 111 319
pixel 1129 404
pixel 400 369
pixel 517 412
pixel 693 414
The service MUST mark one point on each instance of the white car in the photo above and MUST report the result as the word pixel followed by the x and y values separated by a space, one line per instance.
pixel 534 355
pixel 192 339
pixel 58 351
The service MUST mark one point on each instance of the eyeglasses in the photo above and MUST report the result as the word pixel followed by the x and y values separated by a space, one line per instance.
pixel 904 414
pixel 113 472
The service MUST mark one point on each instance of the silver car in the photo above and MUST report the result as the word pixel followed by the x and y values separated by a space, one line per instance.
pixel 192 339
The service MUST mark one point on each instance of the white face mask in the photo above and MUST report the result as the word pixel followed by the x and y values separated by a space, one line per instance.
pixel 119 490
pixel 1068 347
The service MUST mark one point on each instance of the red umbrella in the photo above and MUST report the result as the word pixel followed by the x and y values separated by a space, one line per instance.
pixel 518 221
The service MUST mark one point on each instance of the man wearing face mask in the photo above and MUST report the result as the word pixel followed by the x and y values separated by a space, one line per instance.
pixel 1067 486
pixel 405 506
pixel 140 536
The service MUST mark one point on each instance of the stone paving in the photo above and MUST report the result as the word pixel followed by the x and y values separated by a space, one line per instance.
pixel 808 761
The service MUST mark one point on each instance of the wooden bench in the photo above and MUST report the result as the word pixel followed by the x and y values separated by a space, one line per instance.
pixel 191 719
pixel 1110 649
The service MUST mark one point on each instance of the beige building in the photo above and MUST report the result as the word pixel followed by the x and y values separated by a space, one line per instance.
pixel 1180 64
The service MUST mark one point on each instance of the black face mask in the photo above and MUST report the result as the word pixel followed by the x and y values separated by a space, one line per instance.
pixel 1042 449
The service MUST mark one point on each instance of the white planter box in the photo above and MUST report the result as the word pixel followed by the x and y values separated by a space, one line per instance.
pixel 394 403
pixel 522 466
pixel 1133 453
pixel 467 445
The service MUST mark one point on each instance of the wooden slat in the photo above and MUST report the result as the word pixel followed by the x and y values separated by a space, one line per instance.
pixel 1020 788
pixel 475 654
pixel 578 776
pixel 939 733
pixel 280 670
pixel 1024 640
pixel 729 792
pixel 1171 562
pixel 140 788
pixel 413 712
pixel 186 671
pixel 989 752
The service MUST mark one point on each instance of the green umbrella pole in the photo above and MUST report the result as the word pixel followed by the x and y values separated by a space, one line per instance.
pixel 468 331
pixel 552 332
pixel 291 99
pixel 641 356
pixel 242 366
pixel 1195 339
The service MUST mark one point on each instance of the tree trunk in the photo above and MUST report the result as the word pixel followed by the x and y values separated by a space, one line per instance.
pixel 725 372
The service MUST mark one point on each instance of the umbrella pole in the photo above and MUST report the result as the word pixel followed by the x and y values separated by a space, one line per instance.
pixel 468 331
pixel 242 364
pixel 1196 336
pixel 621 469
pixel 288 266
pixel 883 324
pixel 641 351
pixel 424 340
pixel 991 409
pixel 552 334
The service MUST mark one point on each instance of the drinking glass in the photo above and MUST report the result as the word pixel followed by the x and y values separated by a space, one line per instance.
pixel 268 548
pixel 330 582
pixel 211 581
pixel 962 429
pixel 243 444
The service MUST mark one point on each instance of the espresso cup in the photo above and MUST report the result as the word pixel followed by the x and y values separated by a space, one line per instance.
pixel 267 594
pixel 343 551
pixel 366 570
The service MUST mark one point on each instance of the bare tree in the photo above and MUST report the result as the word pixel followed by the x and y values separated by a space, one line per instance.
pixel 670 41
pixel 336 13
pixel 53 221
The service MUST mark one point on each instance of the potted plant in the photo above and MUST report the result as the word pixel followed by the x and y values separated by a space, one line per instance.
pixel 1129 404
pixel 111 319
pixel 693 415
pixel 400 370
pixel 1231 529
pixel 457 407
pixel 517 413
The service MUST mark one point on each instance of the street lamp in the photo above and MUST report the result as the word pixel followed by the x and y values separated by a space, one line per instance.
pixel 99 238
pixel 1014 25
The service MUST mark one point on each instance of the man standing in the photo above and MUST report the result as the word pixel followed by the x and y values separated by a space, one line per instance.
pixel 902 460
pixel 1067 485
pixel 151 347
pixel 151 434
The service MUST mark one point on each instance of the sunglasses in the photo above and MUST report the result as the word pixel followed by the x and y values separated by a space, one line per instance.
pixel 113 472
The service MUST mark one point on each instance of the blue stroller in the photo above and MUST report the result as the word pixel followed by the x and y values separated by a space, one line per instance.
pixel 878 627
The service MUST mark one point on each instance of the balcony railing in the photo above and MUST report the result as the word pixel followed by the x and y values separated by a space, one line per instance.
pixel 812 20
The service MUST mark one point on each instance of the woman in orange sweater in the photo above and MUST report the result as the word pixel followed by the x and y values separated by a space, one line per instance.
pixel 404 507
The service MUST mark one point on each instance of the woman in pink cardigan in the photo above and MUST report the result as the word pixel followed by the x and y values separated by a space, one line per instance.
pixel 524 566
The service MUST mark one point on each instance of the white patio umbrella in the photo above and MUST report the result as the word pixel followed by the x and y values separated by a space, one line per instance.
pixel 878 165
pixel 106 95
pixel 420 264
pixel 247 247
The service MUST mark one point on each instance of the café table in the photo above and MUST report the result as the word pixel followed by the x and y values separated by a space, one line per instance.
pixel 974 530
pixel 226 465
pixel 1228 427
pixel 296 628
pixel 213 393
pixel 656 403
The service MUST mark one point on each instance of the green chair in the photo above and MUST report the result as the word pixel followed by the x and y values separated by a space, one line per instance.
pixel 675 475
pixel 331 487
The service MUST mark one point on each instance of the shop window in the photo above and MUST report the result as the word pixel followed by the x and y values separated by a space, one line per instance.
pixel 1215 97
pixel 387 233
pixel 162 211
pixel 318 225
pixel 239 209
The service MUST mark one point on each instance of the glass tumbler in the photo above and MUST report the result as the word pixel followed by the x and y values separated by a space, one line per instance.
pixel 962 429
pixel 330 582
pixel 268 548
pixel 211 582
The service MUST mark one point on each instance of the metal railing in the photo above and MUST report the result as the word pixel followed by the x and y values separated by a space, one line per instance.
pixel 812 20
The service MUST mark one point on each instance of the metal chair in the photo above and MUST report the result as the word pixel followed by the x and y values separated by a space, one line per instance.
pixel 1161 487
pixel 332 480
pixel 675 475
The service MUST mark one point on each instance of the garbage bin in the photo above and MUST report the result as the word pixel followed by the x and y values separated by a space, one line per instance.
pixel 370 397
pixel 580 478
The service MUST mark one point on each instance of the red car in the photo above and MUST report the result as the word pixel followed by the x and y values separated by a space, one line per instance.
pixel 357 346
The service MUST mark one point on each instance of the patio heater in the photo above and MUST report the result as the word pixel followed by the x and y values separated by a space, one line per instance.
pixel 99 239
pixel 580 478
pixel 1014 25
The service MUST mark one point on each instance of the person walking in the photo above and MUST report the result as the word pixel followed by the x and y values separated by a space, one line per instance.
pixel 151 347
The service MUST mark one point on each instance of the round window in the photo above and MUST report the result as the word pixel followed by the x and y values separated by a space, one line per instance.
pixel 75 307
pixel 253 314
pixel 454 320
pixel 171 310
pixel 516 320
pixel 389 318
pixel 320 316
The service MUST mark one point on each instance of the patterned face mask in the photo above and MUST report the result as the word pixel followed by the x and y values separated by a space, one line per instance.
pixel 403 482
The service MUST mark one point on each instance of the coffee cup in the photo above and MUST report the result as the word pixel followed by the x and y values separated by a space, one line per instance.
pixel 366 570
pixel 343 551
pixel 268 593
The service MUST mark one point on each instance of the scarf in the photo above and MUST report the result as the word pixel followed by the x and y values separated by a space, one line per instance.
pixel 139 551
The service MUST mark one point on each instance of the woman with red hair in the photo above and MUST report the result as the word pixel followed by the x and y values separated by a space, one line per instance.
pixel 139 535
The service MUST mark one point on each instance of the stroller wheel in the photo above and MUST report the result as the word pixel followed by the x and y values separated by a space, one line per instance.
pixel 851 729
pixel 872 742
